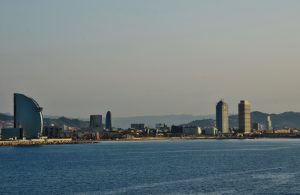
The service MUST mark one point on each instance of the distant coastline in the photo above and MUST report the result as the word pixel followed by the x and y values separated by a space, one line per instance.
pixel 39 142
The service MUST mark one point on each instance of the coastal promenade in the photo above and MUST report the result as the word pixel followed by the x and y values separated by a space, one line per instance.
pixel 36 142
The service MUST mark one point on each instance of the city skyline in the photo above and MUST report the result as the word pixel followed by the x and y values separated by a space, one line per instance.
pixel 139 58
pixel 149 97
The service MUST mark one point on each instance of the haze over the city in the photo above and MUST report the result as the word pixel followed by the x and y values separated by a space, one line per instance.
pixel 133 57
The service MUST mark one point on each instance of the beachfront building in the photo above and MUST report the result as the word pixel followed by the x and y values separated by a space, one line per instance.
pixel 210 131
pixel 191 131
pixel 222 121
pixel 27 116
pixel 245 116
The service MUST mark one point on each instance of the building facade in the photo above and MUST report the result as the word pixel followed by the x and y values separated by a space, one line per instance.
pixel 192 131
pixel 53 131
pixel 140 126
pixel 222 121
pixel 11 133
pixel 269 123
pixel 245 116
pixel 28 116
pixel 211 131
pixel 176 130
pixel 256 126
pixel 95 121
pixel 108 124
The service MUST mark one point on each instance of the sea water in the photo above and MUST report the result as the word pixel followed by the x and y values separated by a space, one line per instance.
pixel 260 166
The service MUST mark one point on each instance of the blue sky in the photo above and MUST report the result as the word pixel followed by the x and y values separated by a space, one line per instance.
pixel 150 57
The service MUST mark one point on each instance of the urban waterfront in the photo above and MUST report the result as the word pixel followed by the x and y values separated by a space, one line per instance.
pixel 260 166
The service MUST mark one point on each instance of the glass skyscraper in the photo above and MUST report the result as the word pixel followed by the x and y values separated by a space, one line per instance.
pixel 96 121
pixel 108 125
pixel 28 116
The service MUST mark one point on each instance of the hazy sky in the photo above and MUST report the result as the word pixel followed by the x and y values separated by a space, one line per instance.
pixel 142 57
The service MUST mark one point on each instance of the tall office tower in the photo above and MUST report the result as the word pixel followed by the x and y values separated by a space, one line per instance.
pixel 222 117
pixel 108 125
pixel 28 116
pixel 95 121
pixel 269 123
pixel 245 116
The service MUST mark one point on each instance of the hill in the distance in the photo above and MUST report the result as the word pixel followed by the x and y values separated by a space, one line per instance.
pixel 286 119
pixel 119 122
pixel 66 121
pixel 5 117
pixel 151 121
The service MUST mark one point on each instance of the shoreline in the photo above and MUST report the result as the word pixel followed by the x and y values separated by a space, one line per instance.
pixel 45 142
pixel 39 142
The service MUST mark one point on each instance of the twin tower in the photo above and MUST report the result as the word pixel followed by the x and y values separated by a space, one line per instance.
pixel 222 120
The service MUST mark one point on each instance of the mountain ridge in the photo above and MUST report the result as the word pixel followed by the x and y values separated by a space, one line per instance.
pixel 289 119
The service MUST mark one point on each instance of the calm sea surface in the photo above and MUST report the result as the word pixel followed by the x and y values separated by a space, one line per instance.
pixel 264 166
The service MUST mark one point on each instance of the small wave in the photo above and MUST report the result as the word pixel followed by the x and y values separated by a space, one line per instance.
pixel 209 150
pixel 182 181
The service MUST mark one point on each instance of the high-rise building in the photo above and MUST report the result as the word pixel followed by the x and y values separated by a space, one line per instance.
pixel 269 123
pixel 28 116
pixel 96 122
pixel 222 117
pixel 108 124
pixel 245 116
